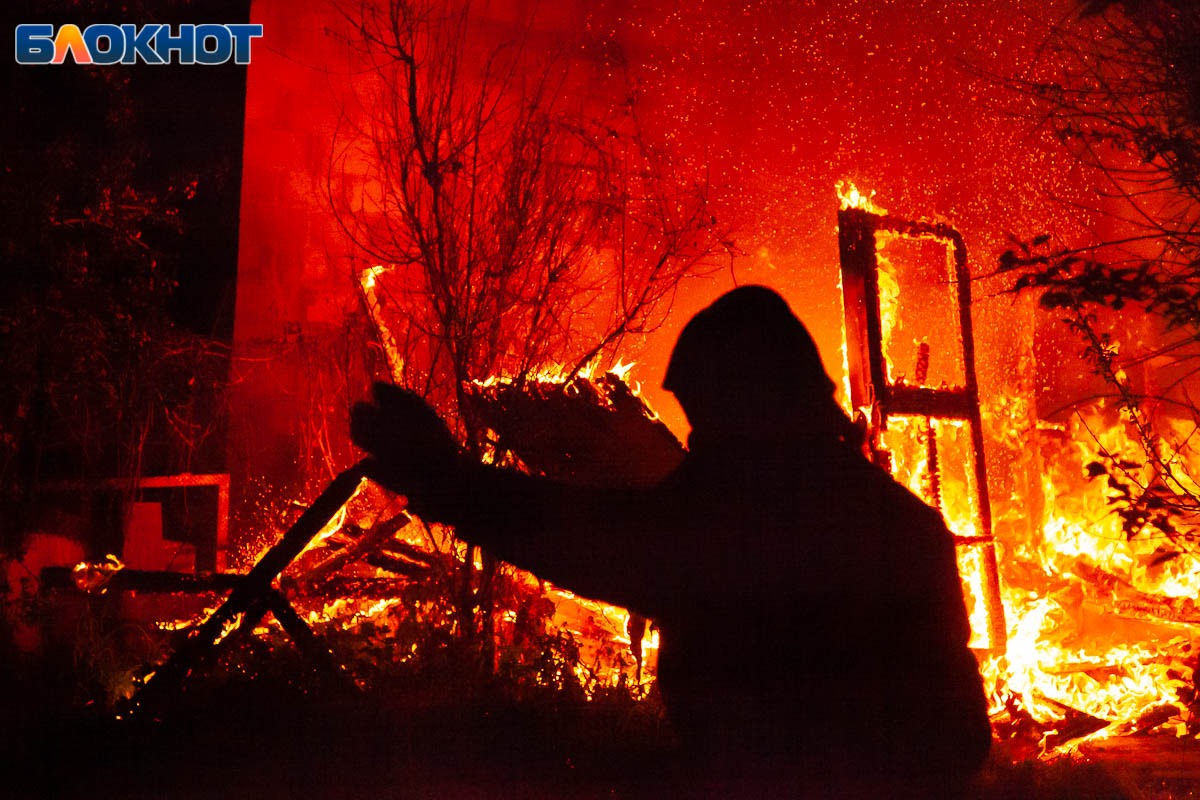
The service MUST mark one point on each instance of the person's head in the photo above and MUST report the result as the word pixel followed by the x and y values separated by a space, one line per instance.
pixel 747 367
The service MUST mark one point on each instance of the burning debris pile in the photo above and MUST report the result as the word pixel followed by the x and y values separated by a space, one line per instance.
pixel 595 432
pixel 362 589
pixel 1101 621
pixel 1083 629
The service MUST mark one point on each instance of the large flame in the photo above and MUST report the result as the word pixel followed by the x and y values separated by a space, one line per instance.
pixel 1098 642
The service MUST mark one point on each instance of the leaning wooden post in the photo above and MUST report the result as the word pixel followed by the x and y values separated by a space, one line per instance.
pixel 252 595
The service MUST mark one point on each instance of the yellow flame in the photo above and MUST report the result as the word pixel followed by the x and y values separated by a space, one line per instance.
pixel 368 279
pixel 335 522
pixel 1082 573
pixel 370 275
pixel 559 373
pixel 851 197
pixel 621 369
pixel 1090 588
pixel 95 577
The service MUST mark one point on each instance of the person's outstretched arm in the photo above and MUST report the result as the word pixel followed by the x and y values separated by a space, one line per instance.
pixel 591 541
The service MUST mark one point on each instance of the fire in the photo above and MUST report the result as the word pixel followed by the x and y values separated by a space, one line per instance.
pixel 621 369
pixel 1096 621
pixel 1097 617
pixel 606 625
pixel 1069 593
pixel 597 634
pixel 598 628
pixel 1066 667
pixel 889 305
pixel 370 276
pixel 330 528
pixel 851 197
pixel 369 283
pixel 348 613
pixel 95 577
pixel 1098 631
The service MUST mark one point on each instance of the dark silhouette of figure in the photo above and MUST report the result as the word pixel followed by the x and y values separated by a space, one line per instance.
pixel 812 617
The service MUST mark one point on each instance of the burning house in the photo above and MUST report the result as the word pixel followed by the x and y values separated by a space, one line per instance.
pixel 953 376
pixel 512 211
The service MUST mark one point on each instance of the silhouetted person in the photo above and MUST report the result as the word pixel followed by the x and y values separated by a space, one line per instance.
pixel 812 618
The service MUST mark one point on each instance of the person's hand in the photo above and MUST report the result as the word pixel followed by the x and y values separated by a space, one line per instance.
pixel 413 452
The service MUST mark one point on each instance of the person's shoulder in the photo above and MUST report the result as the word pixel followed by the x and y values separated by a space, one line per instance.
pixel 896 499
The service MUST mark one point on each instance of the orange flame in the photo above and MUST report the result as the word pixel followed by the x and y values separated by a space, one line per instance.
pixel 851 197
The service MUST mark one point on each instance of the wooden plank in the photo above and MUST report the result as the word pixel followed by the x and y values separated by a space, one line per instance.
pixel 149 581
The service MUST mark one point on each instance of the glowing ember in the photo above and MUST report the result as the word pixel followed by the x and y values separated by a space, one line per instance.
pixel 95 577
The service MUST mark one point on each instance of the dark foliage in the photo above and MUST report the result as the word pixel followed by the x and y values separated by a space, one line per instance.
pixel 117 237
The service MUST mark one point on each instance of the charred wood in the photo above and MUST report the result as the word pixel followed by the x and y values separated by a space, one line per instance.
pixel 397 566
pixel 149 581
pixel 593 432
pixel 1076 725
pixel 352 588
pixel 1117 596
pixel 410 552
pixel 365 543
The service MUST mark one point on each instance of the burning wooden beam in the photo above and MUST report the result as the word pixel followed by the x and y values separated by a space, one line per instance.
pixel 254 595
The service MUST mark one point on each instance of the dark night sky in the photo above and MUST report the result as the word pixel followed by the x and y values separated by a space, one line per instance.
pixel 181 124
